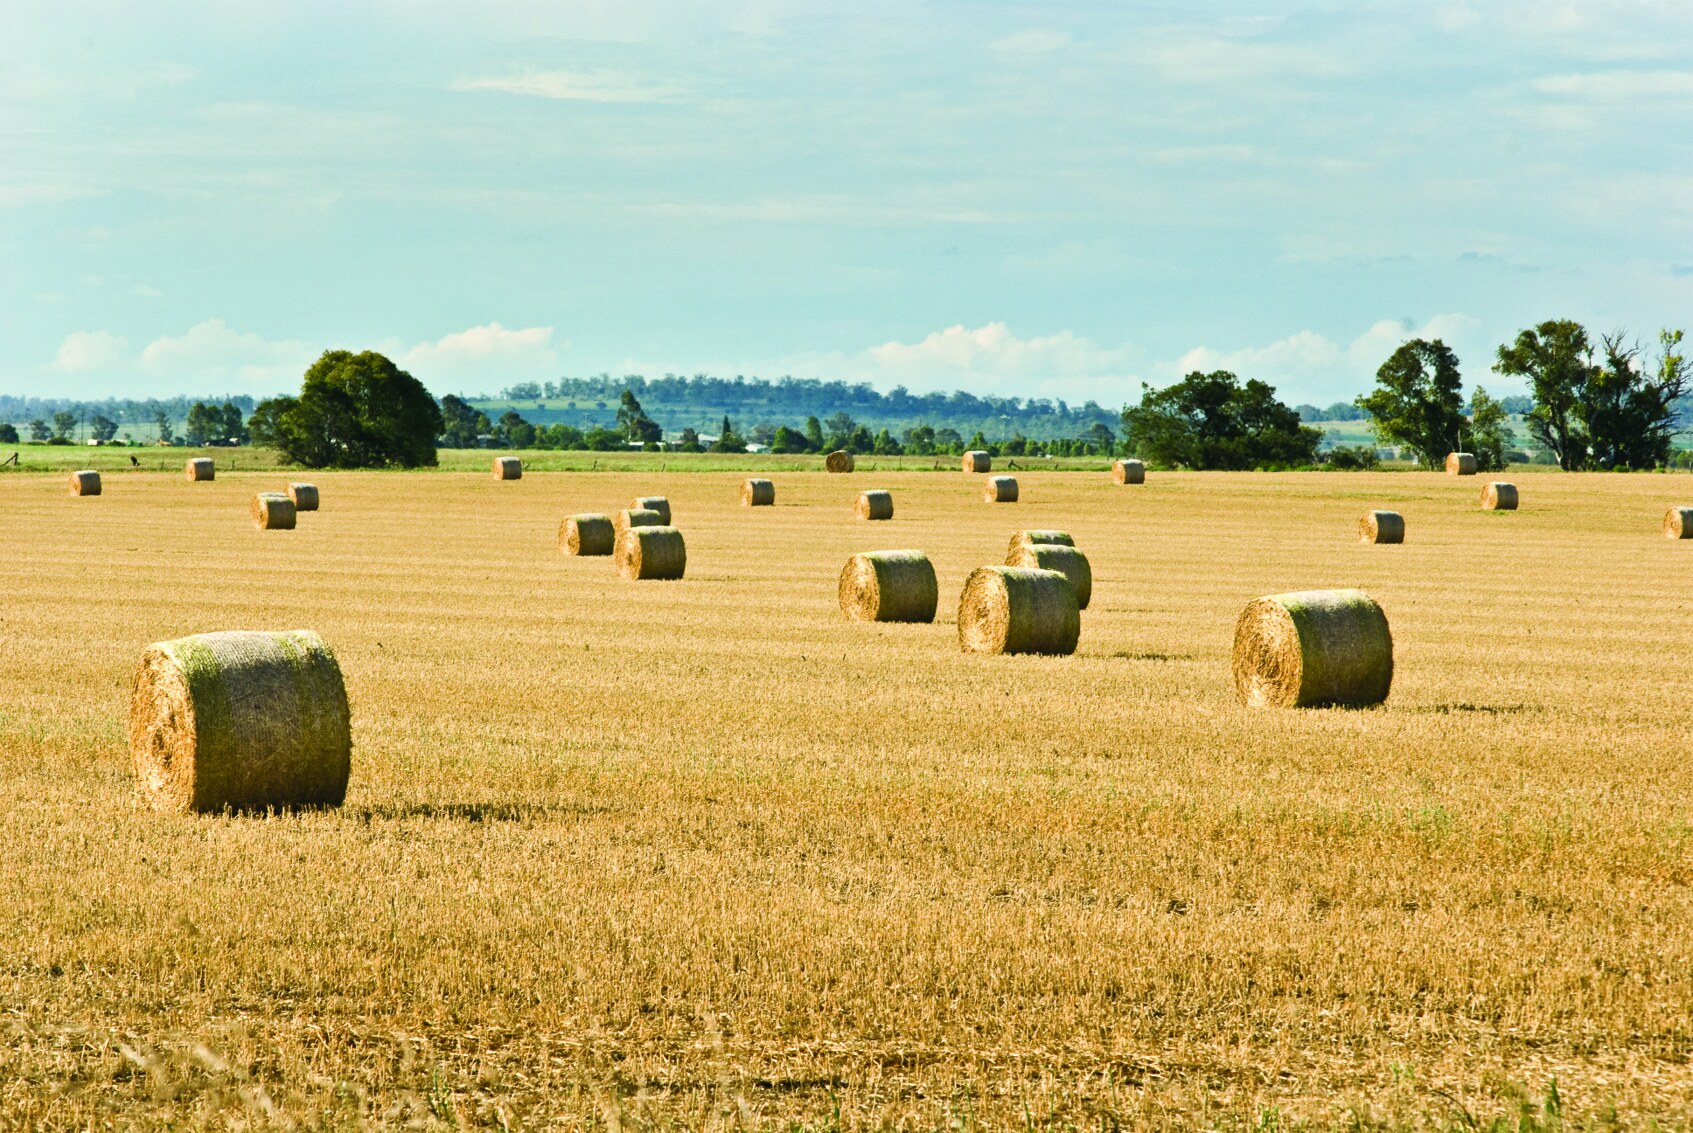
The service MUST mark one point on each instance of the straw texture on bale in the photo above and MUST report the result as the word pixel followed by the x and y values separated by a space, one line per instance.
pixel 1028 538
pixel 889 586
pixel 1381 527
pixel 508 468
pixel 1314 647
pixel 758 493
pixel 304 496
pixel 85 483
pixel 635 517
pixel 977 461
pixel 1067 561
pixel 651 552
pixel 1460 463
pixel 875 504
pixel 240 720
pixel 1499 496
pixel 1678 523
pixel 1128 472
pixel 1000 490
pixel 653 503
pixel 587 534
pixel 200 468
pixel 1018 610
pixel 838 461
pixel 273 511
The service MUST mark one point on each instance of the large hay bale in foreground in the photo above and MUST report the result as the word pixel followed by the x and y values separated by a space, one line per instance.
pixel 758 493
pixel 1314 647
pixel 1678 523
pixel 1029 538
pixel 508 468
pixel 1128 472
pixel 587 534
pixel 635 517
pixel 653 503
pixel 240 720
pixel 1381 527
pixel 651 552
pixel 200 468
pixel 875 504
pixel 1000 490
pixel 273 511
pixel 1499 496
pixel 85 483
pixel 1007 609
pixel 304 496
pixel 1460 464
pixel 1067 561
pixel 889 586
pixel 838 461
pixel 977 461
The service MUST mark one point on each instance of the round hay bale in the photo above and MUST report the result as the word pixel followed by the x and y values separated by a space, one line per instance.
pixel 758 493
pixel 651 552
pixel 1006 609
pixel 1067 561
pixel 889 586
pixel 875 504
pixel 1381 527
pixel 977 461
pixel 508 468
pixel 1678 523
pixel 273 511
pixel 838 461
pixel 587 534
pixel 85 483
pixel 240 720
pixel 200 468
pixel 1128 472
pixel 1499 496
pixel 1000 490
pixel 1460 464
pixel 1029 538
pixel 635 517
pixel 653 503
pixel 304 496
pixel 1314 647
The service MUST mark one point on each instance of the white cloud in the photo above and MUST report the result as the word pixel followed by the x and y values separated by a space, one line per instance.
pixel 483 353
pixel 578 86
pixel 1618 86
pixel 1035 42
pixel 212 352
pixel 87 350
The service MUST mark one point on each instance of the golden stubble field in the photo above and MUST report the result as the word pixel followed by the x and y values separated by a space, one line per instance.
pixel 704 854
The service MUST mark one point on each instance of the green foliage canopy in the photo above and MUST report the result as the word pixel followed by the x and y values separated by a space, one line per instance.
pixel 1216 421
pixel 354 411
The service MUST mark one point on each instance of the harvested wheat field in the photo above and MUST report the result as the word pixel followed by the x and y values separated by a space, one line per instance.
pixel 711 855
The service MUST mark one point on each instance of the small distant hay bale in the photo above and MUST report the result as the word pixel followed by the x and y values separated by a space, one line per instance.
pixel 1381 527
pixel 1006 609
pixel 875 504
pixel 240 720
pixel 508 468
pixel 653 503
pixel 200 468
pixel 838 461
pixel 304 496
pixel 1000 490
pixel 651 552
pixel 1067 561
pixel 1128 472
pixel 1460 464
pixel 758 493
pixel 85 483
pixel 273 511
pixel 889 586
pixel 587 534
pixel 1499 496
pixel 1314 647
pixel 977 461
pixel 1678 523
pixel 635 517
pixel 1029 538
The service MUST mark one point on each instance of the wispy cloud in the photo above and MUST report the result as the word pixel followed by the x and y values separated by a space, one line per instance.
pixel 84 351
pixel 1034 42
pixel 580 86
pixel 483 353
pixel 1618 86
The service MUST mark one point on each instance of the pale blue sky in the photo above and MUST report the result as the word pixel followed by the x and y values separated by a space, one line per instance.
pixel 1058 199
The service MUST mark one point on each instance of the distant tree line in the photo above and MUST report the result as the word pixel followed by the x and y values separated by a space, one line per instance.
pixel 53 420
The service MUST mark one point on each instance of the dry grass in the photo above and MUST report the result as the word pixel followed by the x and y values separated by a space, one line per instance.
pixel 713 854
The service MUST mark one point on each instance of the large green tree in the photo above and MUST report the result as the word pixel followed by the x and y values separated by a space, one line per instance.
pixel 1630 414
pixel 1417 402
pixel 1217 421
pixel 634 423
pixel 462 423
pixel 354 411
pixel 1554 359
pixel 1489 432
